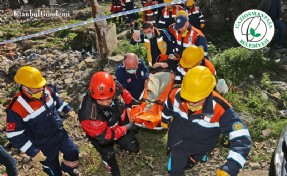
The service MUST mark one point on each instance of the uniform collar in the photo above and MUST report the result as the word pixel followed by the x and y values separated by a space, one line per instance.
pixel 207 109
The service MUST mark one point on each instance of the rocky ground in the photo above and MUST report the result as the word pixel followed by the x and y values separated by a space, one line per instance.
pixel 70 71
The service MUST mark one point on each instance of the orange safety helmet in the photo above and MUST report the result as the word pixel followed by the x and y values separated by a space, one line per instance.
pixel 102 86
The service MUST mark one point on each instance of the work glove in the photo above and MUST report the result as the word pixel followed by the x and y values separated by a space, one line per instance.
pixel 172 57
pixel 134 102
pixel 39 157
pixel 164 125
pixel 129 126
pixel 221 173
pixel 202 25
pixel 73 115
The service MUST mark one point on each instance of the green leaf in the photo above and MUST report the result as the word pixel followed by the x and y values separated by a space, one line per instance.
pixel 252 32
pixel 257 35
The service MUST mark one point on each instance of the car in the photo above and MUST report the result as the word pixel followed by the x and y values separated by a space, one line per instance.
pixel 278 164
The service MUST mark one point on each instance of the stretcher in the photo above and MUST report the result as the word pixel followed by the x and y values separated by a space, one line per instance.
pixel 148 113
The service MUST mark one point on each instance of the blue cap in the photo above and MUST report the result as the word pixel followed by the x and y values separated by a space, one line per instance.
pixel 180 22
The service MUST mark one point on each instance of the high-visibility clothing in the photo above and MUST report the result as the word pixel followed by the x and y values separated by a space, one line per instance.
pixel 193 37
pixel 181 72
pixel 195 17
pixel 168 17
pixel 34 125
pixel 197 132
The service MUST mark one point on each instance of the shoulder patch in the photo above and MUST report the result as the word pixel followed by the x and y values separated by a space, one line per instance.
pixel 237 126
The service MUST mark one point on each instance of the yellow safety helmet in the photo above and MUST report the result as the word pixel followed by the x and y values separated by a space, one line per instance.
pixel 181 12
pixel 29 77
pixel 197 84
pixel 191 56
pixel 189 3
pixel 165 1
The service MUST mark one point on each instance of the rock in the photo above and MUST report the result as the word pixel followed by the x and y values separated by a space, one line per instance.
pixel 27 44
pixel 63 56
pixel 56 52
pixel 25 159
pixel 78 74
pixel 266 132
pixel 246 117
pixel 70 75
pixel 43 57
pixel 277 94
pixel 68 81
pixel 264 96
pixel 255 166
pixel 123 34
pixel 280 84
pixel 30 51
pixel 116 58
pixel 52 56
pixel 283 113
pixel 90 59
pixel 81 64
pixel 75 6
pixel 86 39
pixel 5 64
pixel 111 38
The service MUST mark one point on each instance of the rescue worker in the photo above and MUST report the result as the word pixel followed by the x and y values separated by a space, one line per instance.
pixel 9 162
pixel 185 35
pixel 150 15
pixel 116 7
pixel 200 116
pixel 35 127
pixel 167 15
pixel 131 19
pixel 132 74
pixel 191 57
pixel 273 9
pixel 158 45
pixel 104 119
pixel 195 16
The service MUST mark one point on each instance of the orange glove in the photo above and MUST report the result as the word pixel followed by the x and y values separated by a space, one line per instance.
pixel 202 25
pixel 39 157
pixel 162 57
pixel 221 173
pixel 165 126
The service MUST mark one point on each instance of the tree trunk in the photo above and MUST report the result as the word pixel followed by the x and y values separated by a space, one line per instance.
pixel 101 30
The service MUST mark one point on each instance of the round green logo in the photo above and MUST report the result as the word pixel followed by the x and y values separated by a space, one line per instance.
pixel 253 29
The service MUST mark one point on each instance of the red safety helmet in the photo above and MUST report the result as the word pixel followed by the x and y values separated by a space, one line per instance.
pixel 102 86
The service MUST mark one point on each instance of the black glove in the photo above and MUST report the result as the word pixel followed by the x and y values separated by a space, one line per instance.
pixel 129 126
pixel 134 102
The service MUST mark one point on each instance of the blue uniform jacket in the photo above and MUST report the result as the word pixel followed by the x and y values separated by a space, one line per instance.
pixel 134 83
pixel 199 131
pixel 33 123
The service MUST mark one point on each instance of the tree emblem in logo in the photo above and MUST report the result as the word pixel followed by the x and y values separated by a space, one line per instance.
pixel 254 29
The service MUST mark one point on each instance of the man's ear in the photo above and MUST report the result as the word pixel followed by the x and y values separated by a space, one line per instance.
pixel 25 88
